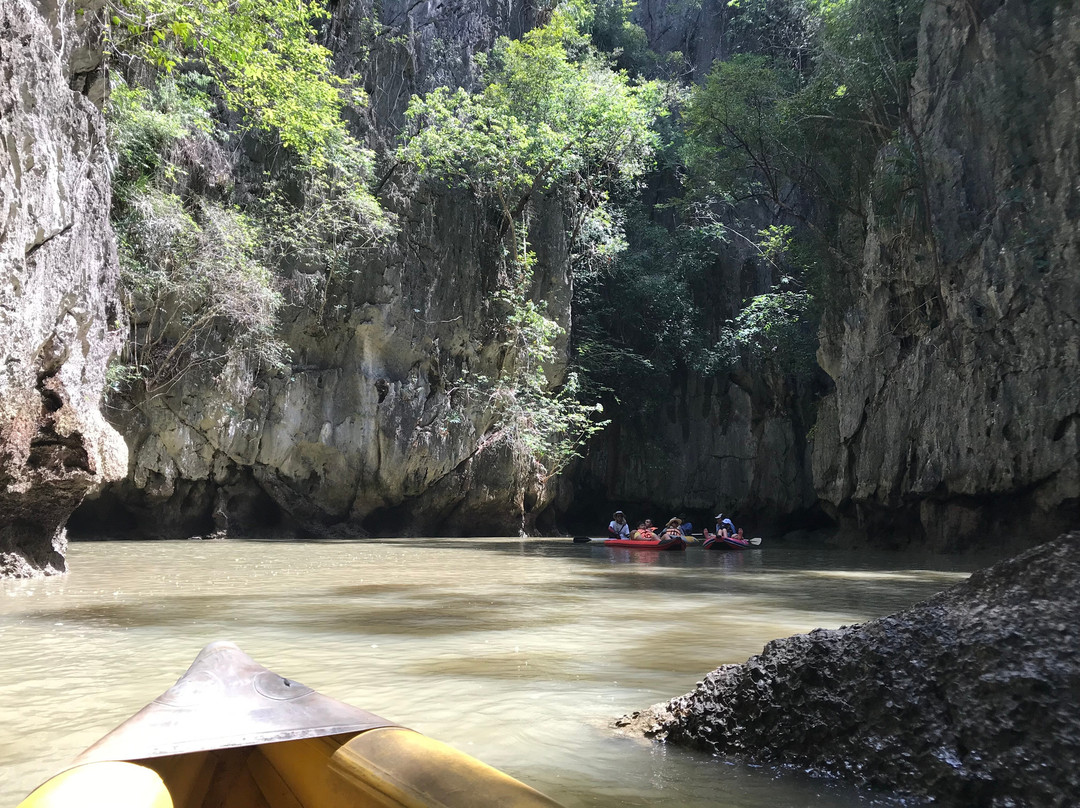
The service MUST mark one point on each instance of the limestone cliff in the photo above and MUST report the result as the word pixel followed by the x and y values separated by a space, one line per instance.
pixel 736 443
pixel 956 413
pixel 58 272
pixel 368 429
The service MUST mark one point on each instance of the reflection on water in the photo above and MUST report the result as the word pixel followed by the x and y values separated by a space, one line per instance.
pixel 520 652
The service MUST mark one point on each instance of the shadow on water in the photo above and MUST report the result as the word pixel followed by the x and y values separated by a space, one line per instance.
pixel 161 612
pixel 420 614
pixel 767 577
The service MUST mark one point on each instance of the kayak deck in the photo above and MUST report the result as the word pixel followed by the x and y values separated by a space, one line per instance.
pixel 389 767
pixel 231 734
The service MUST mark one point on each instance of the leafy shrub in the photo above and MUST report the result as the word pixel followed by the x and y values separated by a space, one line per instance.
pixel 145 123
pixel 195 293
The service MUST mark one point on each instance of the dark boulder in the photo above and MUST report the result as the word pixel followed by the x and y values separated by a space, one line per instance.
pixel 969 698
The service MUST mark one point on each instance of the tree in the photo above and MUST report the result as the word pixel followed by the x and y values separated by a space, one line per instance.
pixel 552 114
pixel 196 268
pixel 262 55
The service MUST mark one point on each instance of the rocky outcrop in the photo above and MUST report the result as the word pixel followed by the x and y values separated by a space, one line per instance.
pixel 365 432
pixel 701 32
pixel 58 311
pixel 957 410
pixel 967 698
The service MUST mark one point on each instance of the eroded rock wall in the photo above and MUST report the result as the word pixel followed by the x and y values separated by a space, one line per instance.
pixel 956 414
pixel 967 698
pixel 369 429
pixel 58 309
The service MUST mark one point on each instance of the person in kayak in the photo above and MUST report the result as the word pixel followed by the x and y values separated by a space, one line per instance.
pixel 617 527
pixel 672 529
pixel 645 531
pixel 724 527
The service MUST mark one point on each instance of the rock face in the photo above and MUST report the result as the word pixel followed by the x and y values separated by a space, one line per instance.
pixel 968 698
pixel 957 409
pixel 364 433
pixel 701 32
pixel 733 443
pixel 954 415
pixel 368 430
pixel 58 272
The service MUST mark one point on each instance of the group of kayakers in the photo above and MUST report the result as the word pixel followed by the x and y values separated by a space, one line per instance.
pixel 619 528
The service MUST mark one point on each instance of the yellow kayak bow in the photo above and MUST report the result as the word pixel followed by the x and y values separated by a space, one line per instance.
pixel 232 734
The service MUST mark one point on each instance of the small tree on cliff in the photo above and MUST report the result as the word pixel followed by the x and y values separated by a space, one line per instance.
pixel 552 114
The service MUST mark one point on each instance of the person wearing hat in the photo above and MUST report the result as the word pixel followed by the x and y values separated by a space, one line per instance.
pixel 672 529
pixel 724 527
pixel 618 528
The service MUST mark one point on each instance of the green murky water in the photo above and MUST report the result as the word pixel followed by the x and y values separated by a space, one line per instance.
pixel 520 652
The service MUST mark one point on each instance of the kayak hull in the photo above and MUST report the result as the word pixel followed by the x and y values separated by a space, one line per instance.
pixel 677 543
pixel 716 542
pixel 343 758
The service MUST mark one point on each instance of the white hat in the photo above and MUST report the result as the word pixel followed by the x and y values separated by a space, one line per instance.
pixel 719 516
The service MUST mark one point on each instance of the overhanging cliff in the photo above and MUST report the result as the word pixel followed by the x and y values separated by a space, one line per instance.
pixel 58 272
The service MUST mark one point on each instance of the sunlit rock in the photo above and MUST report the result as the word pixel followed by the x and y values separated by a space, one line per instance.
pixel 59 316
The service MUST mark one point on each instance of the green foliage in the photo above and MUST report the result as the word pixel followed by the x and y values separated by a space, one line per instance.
pixel 819 111
pixel 548 426
pixel 322 218
pixel 784 31
pixel 143 125
pixel 262 55
pixel 195 292
pixel 612 31
pixel 552 114
pixel 638 319
pixel 869 48
pixel 763 127
pixel 743 141
pixel 194 270
pixel 778 327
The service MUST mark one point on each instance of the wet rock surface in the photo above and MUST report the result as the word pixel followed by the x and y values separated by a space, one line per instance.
pixel 968 698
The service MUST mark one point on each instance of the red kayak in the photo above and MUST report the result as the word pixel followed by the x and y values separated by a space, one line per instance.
pixel 714 541
pixel 666 543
